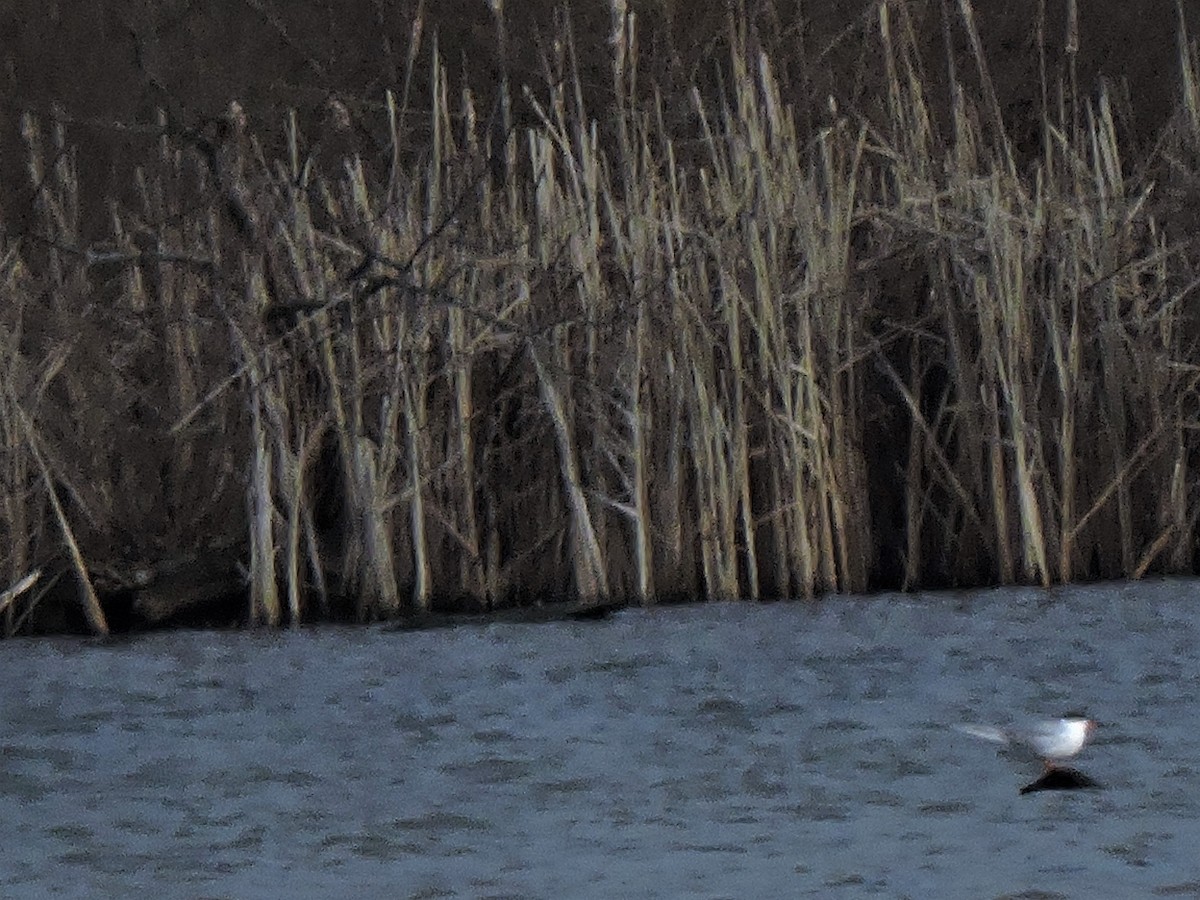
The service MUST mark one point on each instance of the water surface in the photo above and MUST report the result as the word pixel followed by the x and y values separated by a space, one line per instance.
pixel 727 750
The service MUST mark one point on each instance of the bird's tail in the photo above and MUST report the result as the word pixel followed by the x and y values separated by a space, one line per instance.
pixel 987 732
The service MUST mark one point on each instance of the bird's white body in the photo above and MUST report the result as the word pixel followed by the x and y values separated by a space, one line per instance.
pixel 1050 740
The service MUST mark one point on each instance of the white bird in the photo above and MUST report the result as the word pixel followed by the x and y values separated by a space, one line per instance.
pixel 1051 741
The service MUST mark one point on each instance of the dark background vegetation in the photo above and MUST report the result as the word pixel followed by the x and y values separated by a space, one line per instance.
pixel 117 62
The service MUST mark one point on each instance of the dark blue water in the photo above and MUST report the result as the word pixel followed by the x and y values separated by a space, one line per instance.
pixel 713 751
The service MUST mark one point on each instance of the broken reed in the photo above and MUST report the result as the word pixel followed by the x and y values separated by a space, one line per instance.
pixel 626 360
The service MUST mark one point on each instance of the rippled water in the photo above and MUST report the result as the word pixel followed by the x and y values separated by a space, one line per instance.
pixel 713 751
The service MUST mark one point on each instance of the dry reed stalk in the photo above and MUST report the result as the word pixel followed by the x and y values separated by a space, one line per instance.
pixel 669 506
pixel 624 444
pixel 264 587
pixel 340 345
pixel 18 516
pixel 587 560
pixel 1066 350
pixel 472 575
pixel 292 489
pixel 911 138
pixel 1189 67
pixel 414 427
pixel 382 592
pixel 914 494
pixel 635 251
pixel 9 595
pixel 1000 136
pixel 1007 278
pixel 640 425
pixel 92 610
pixel 709 415
pixel 712 436
pixel 842 165
pixel 1114 373
pixel 294 450
pixel 57 204
pixel 1183 523
pixel 264 605
pixel 973 425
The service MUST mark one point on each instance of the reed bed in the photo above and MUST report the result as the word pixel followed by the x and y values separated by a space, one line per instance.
pixel 675 347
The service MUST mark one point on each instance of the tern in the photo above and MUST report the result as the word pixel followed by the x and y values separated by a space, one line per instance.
pixel 1051 741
